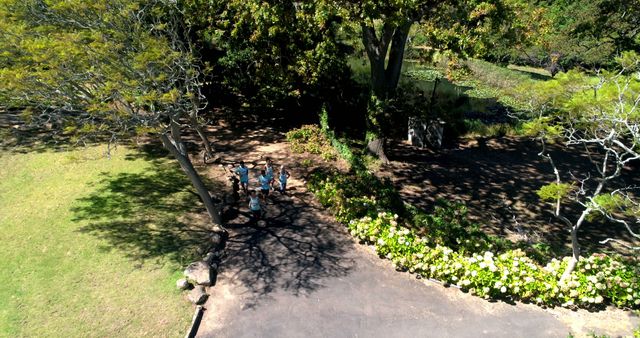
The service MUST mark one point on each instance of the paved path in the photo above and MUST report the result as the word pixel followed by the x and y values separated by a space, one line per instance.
pixel 302 275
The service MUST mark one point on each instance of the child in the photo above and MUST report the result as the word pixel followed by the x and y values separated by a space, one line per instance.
pixel 283 177
pixel 243 172
pixel 268 168
pixel 265 184
pixel 254 206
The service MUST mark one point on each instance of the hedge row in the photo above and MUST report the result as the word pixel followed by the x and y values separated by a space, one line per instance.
pixel 444 245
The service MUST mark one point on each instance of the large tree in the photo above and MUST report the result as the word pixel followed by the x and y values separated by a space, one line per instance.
pixel 570 33
pixel 453 25
pixel 271 54
pixel 113 67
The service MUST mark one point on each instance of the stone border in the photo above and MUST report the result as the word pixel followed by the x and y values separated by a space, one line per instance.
pixel 195 322
pixel 201 275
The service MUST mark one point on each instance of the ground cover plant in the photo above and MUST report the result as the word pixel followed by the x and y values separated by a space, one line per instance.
pixel 444 245
pixel 92 246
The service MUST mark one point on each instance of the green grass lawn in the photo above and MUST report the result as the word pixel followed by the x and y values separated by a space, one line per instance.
pixel 92 246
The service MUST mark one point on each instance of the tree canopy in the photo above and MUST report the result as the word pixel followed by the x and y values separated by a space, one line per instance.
pixel 98 68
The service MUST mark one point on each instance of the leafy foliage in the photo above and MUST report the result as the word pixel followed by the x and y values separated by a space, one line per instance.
pixel 554 191
pixel 100 67
pixel 311 139
pixel 272 54
pixel 566 34
pixel 479 264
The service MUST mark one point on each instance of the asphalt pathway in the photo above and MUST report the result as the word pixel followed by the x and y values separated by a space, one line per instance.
pixel 301 275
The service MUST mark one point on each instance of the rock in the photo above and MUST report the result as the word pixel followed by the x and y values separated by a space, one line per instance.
pixel 183 284
pixel 199 272
pixel 198 295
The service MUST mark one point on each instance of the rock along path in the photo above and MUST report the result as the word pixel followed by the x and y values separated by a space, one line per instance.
pixel 302 275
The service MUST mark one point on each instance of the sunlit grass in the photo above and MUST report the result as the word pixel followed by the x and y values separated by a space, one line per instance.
pixel 532 70
pixel 62 273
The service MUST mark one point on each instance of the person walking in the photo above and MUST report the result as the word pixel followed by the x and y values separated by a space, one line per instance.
pixel 243 173
pixel 283 177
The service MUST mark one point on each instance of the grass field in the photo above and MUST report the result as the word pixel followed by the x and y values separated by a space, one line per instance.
pixel 92 246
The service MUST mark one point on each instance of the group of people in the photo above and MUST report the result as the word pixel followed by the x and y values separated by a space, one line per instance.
pixel 267 182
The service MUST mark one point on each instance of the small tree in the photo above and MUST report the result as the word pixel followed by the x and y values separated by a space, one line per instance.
pixel 602 117
pixel 116 68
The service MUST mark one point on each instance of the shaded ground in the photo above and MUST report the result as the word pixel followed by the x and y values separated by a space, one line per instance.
pixel 301 274
pixel 92 246
pixel 497 179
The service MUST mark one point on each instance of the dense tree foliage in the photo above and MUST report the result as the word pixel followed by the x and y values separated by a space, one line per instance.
pixel 272 54
pixel 566 34
pixel 114 68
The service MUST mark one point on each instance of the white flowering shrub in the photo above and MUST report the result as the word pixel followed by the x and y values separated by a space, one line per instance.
pixel 599 279
pixel 477 264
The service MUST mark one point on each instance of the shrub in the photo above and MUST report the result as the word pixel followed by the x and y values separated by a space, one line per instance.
pixel 445 245
pixel 511 274
pixel 311 139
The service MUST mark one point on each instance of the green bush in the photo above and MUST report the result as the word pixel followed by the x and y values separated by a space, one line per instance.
pixel 448 225
pixel 598 279
pixel 445 245
pixel 311 139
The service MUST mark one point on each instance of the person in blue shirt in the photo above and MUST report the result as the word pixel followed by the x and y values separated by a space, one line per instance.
pixel 268 168
pixel 254 205
pixel 283 177
pixel 265 184
pixel 243 173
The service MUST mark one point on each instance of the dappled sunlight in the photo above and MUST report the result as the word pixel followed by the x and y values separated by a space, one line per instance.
pixel 497 179
pixel 142 214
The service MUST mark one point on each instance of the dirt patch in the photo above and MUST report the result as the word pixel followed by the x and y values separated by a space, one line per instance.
pixel 497 179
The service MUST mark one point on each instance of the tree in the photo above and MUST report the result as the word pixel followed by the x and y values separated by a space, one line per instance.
pixel 601 116
pixel 457 26
pixel 115 68
pixel 271 54
pixel 586 33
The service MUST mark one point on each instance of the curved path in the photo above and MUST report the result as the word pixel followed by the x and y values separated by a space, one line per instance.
pixel 302 275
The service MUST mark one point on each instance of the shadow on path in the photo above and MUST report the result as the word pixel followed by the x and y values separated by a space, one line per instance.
pixel 291 252
pixel 497 179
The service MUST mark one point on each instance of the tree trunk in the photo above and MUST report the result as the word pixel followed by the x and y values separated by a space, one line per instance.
pixel 396 56
pixel 575 246
pixel 384 79
pixel 209 151
pixel 376 146
pixel 174 148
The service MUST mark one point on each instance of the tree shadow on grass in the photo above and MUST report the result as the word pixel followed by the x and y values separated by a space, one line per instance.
pixel 18 136
pixel 148 215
